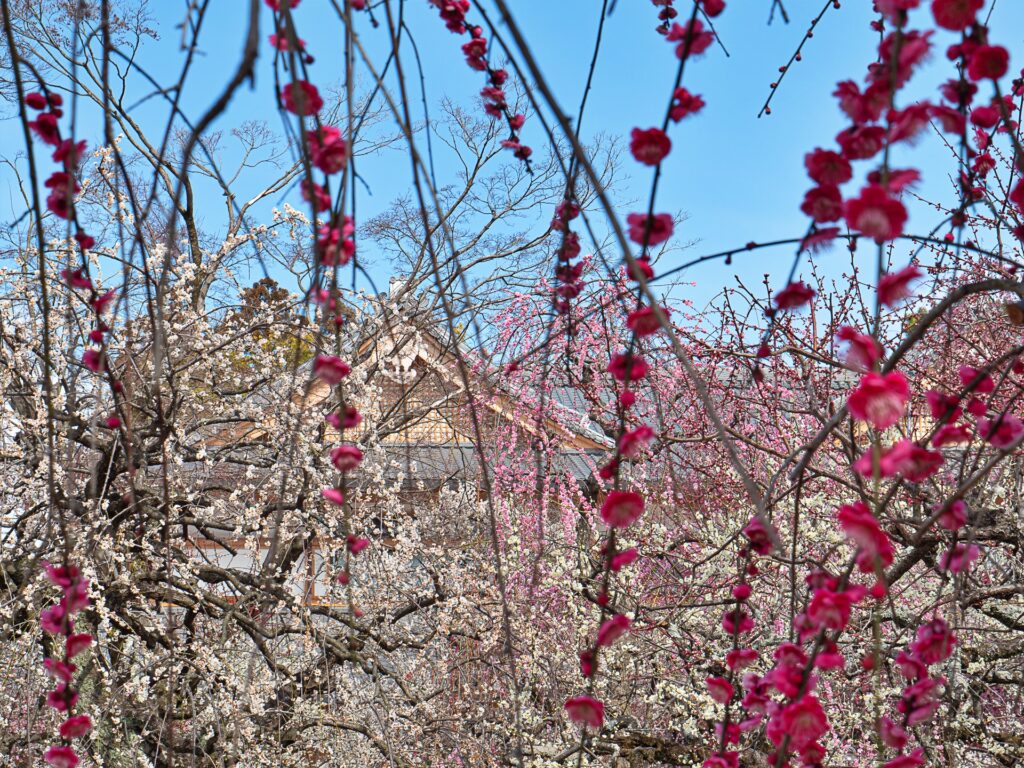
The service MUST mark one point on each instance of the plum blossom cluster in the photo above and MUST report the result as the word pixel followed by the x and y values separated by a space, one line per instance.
pixel 283 41
pixel 345 457
pixel 880 400
pixel 568 275
pixel 619 510
pixel 876 125
pixel 674 32
pixel 453 13
pixel 58 620
pixel 652 145
pixel 665 15
pixel 877 212
pixel 63 186
pixel 999 428
pixel 795 723
pixel 738 623
pixel 920 698
pixel 327 151
pixel 622 508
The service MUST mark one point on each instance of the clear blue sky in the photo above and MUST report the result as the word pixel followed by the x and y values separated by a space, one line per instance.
pixel 738 178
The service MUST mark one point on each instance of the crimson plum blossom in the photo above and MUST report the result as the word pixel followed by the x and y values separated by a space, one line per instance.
pixel 976 380
pixel 943 406
pixel 721 690
pixel 644 321
pixel 862 142
pixel 93 360
pixel 905 458
pixel 988 62
pixel 862 527
pixel 793 296
pixel 950 119
pixel 685 104
pixel 635 441
pixel 622 559
pixel 75 727
pixel 612 629
pixel 862 350
pixel 828 168
pixel 333 495
pixel 959 558
pixel 355 544
pixel 76 644
pixel 830 609
pixel 330 369
pixel 301 98
pixel 649 146
pixel 61 757
pixel 880 399
pixel 823 204
pixel 36 101
pixel 862 107
pixel 585 710
pixel 876 214
pixel 1003 432
pixel 954 515
pixel 737 621
pixel 68 153
pixel 328 150
pixel 893 287
pixel 803 721
pixel 741 658
pixel 693 39
pixel 45 127
pixel 934 642
pixel 762 540
pixel 906 124
pixel 316 196
pixel 649 230
pixel 335 244
pixel 63 188
pixel 956 15
pixel 346 457
pixel 626 366
pixel 622 508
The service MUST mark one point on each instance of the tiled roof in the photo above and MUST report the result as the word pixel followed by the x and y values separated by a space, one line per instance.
pixel 434 464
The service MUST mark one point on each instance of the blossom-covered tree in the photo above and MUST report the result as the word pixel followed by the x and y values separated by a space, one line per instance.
pixel 780 529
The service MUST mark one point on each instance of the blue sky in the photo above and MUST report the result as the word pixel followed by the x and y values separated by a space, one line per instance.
pixel 737 177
